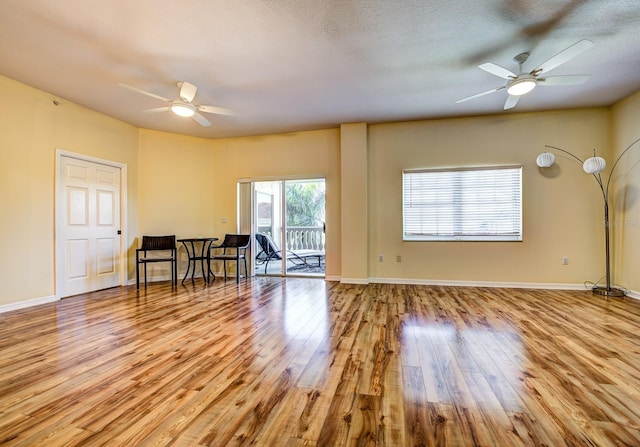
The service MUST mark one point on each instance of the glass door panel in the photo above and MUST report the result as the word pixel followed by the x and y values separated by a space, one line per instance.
pixel 269 226
pixel 289 218
pixel 304 226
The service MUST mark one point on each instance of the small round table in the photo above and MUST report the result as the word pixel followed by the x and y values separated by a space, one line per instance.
pixel 190 246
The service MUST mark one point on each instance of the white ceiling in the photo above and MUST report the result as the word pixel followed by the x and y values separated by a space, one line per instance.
pixel 289 65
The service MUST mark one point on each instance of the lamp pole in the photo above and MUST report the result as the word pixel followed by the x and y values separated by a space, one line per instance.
pixel 608 290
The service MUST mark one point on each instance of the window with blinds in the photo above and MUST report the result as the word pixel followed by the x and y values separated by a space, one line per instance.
pixel 474 204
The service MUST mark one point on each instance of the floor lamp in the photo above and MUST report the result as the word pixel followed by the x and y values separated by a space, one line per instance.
pixel 594 166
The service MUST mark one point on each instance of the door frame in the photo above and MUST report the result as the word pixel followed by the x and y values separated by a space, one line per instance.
pixel 58 224
pixel 278 178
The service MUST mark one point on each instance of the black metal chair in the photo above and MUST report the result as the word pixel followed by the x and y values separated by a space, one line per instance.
pixel 157 249
pixel 234 248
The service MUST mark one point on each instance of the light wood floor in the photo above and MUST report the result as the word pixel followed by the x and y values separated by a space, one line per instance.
pixel 274 362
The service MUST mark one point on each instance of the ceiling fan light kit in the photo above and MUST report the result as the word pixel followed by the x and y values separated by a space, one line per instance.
pixel 185 110
pixel 523 82
pixel 521 86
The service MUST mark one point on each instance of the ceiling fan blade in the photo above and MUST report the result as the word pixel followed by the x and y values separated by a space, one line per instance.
pixel 477 95
pixel 532 33
pixel 497 70
pixel 563 80
pixel 187 91
pixel 201 120
pixel 539 30
pixel 137 90
pixel 216 110
pixel 158 109
pixel 564 56
pixel 511 102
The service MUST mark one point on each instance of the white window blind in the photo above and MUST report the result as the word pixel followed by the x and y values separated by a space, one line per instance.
pixel 475 204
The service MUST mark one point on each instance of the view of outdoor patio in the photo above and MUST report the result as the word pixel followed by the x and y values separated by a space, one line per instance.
pixel 301 225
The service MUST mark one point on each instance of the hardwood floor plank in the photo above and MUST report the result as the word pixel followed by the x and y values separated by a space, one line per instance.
pixel 365 423
pixel 492 412
pixel 418 426
pixel 314 408
pixel 198 419
pixel 265 409
pixel 335 429
pixel 392 403
pixel 304 362
pixel 446 426
pixel 434 380
pixel 63 435
pixel 289 417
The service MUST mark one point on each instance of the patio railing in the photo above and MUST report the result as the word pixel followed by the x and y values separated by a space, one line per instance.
pixel 301 238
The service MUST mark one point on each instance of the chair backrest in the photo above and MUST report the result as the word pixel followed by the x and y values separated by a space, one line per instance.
pixel 158 243
pixel 267 244
pixel 236 241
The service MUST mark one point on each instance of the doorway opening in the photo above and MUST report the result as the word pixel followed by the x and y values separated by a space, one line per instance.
pixel 288 225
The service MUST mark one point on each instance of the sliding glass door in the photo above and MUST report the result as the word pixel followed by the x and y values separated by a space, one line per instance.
pixel 269 225
pixel 288 222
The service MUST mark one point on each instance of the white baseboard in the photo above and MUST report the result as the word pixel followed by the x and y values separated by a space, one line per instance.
pixel 498 285
pixel 27 303
pixel 502 285
pixel 633 294
pixel 355 280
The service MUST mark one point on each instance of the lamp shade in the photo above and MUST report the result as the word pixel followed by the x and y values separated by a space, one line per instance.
pixel 594 165
pixel 545 160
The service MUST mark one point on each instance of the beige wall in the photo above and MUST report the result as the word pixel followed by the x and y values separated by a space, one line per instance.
pixel 625 194
pixel 176 184
pixel 31 129
pixel 313 153
pixel 188 185
pixel 354 158
pixel 560 212
pixel 185 185
pixel 176 191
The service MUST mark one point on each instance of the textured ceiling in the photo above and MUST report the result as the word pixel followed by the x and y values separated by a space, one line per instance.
pixel 288 65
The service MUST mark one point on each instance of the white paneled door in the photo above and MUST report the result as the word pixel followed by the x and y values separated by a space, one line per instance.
pixel 88 226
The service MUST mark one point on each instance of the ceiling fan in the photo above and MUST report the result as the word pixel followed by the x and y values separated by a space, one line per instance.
pixel 523 82
pixel 184 105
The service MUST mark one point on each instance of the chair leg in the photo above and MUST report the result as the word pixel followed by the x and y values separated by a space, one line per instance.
pixel 245 269
pixel 145 275
pixel 174 272
pixel 137 275
pixel 209 272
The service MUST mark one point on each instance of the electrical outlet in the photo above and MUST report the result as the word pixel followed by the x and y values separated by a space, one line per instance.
pixel 398 258
pixel 380 258
pixel 224 220
pixel 565 260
